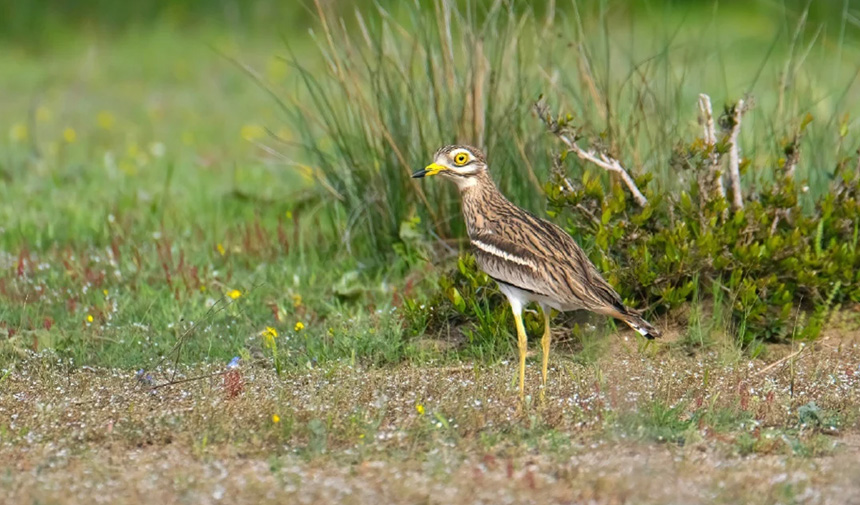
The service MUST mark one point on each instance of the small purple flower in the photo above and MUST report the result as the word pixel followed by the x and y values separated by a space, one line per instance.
pixel 234 363
pixel 143 377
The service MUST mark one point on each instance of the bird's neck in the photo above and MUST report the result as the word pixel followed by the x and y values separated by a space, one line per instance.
pixel 478 184
pixel 480 197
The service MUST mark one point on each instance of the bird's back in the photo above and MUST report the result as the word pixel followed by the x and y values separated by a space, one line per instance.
pixel 519 249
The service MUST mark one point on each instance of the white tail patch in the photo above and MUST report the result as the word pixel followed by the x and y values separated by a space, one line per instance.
pixel 638 329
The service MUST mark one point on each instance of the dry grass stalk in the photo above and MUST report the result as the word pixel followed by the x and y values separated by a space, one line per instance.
pixel 780 361
pixel 474 113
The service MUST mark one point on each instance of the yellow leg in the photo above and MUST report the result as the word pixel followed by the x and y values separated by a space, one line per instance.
pixel 522 344
pixel 544 343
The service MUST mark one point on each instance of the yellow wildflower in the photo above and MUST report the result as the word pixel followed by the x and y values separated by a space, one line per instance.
pixel 299 326
pixel 306 172
pixel 19 133
pixel 297 300
pixel 105 120
pixel 270 334
pixel 251 132
pixel 221 250
pixel 284 134
pixel 43 114
pixel 69 135
pixel 420 409
pixel 235 293
pixel 128 167
pixel 105 291
pixel 276 418
pixel 289 214
pixel 89 318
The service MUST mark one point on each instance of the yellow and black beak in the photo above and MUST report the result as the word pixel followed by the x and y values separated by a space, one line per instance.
pixel 431 169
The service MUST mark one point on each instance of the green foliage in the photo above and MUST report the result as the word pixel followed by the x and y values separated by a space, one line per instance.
pixel 657 422
pixel 470 296
pixel 814 417
pixel 772 256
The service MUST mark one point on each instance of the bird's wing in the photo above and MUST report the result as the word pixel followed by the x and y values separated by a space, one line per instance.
pixel 534 254
pixel 509 263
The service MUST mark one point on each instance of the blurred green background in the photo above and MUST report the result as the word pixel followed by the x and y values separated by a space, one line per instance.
pixel 37 22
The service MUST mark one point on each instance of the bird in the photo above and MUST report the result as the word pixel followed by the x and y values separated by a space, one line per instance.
pixel 531 259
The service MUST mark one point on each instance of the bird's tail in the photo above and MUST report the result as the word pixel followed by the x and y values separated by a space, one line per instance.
pixel 640 325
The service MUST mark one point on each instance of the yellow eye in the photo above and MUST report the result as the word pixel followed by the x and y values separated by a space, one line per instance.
pixel 461 158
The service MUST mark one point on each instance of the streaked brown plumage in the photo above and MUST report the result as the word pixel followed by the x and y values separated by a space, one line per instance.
pixel 530 258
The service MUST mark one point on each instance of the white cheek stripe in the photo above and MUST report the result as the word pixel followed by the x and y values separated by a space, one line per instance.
pixel 495 251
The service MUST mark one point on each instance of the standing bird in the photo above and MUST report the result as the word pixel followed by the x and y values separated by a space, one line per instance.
pixel 531 259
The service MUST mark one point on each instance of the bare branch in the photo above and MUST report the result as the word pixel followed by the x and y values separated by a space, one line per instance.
pixel 715 178
pixel 775 223
pixel 734 157
pixel 706 111
pixel 602 160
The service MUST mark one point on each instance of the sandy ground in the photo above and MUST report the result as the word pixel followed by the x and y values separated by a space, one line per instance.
pixel 605 474
pixel 439 434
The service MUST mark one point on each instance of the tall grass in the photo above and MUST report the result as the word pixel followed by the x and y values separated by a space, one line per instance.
pixel 396 89
pixel 396 85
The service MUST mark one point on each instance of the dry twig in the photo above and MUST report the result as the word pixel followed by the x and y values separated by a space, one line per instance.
pixel 714 181
pixel 780 361
pixel 602 160
pixel 734 156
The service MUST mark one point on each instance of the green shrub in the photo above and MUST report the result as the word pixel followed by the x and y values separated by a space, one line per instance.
pixel 774 255
pixel 786 260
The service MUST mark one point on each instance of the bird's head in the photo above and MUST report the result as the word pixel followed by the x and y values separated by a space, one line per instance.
pixel 462 164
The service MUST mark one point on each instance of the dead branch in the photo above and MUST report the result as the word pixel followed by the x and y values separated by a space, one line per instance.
pixel 775 222
pixel 734 157
pixel 568 136
pixel 714 175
